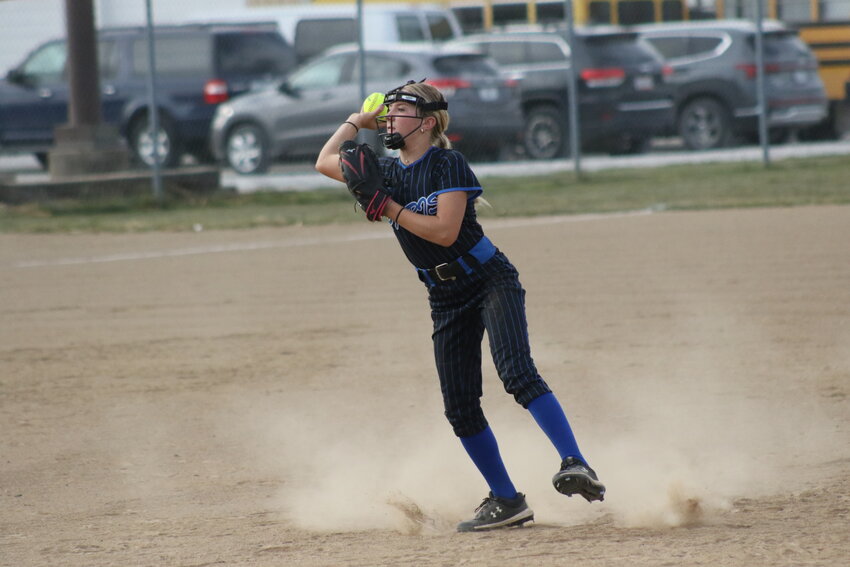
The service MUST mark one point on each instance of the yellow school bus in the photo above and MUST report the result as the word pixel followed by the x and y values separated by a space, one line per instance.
pixel 823 24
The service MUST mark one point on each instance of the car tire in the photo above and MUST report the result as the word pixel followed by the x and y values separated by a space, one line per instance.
pixel 142 144
pixel 546 134
pixel 704 124
pixel 246 149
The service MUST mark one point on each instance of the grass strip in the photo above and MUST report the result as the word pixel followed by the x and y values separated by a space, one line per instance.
pixel 787 183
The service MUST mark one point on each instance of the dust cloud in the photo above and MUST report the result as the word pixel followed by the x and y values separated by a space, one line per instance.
pixel 676 444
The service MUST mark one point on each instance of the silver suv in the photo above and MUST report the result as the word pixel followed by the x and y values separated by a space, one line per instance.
pixel 714 76
pixel 296 117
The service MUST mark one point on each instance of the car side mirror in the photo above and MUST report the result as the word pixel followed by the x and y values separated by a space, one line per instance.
pixel 18 77
pixel 286 88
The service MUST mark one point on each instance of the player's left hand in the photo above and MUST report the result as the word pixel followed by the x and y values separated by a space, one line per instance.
pixel 364 179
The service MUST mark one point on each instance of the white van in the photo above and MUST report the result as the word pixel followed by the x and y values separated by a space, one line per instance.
pixel 312 28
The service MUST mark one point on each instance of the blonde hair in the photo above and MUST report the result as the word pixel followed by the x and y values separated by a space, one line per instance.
pixel 438 137
pixel 432 94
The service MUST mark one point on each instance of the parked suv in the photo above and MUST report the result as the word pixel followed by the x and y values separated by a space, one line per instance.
pixel 714 73
pixel 623 97
pixel 198 67
pixel 298 116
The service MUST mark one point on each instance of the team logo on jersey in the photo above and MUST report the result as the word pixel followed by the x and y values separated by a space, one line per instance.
pixel 423 205
pixel 427 205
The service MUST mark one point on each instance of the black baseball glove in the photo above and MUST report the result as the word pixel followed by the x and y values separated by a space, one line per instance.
pixel 364 179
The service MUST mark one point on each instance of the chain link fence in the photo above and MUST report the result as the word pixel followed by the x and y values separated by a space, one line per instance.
pixel 732 72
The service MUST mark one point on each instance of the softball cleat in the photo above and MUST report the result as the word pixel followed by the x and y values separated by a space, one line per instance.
pixel 495 512
pixel 575 477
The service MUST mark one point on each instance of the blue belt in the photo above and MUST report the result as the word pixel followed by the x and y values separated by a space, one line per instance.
pixel 463 266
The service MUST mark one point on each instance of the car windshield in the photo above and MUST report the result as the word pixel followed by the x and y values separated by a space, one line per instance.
pixel 466 64
pixel 48 63
pixel 327 72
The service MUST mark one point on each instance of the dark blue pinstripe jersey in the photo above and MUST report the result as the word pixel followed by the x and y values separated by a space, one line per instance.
pixel 416 187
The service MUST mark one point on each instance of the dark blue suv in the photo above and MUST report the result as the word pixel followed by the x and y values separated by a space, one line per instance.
pixel 198 67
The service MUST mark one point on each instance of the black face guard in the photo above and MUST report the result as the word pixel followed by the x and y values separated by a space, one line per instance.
pixel 395 141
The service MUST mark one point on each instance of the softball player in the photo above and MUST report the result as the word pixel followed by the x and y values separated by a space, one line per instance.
pixel 472 287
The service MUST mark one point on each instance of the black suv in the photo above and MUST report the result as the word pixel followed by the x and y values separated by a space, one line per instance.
pixel 624 99
pixel 198 67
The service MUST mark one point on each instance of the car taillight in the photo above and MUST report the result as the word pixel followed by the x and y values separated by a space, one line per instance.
pixel 215 91
pixel 604 77
pixel 667 72
pixel 449 86
pixel 750 69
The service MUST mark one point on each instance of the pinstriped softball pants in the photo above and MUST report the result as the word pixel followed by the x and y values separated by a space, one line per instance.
pixel 491 299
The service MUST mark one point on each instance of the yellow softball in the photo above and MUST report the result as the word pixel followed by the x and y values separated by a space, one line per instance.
pixel 372 102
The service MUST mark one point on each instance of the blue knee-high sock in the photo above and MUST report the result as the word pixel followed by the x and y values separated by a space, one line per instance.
pixel 484 452
pixel 550 417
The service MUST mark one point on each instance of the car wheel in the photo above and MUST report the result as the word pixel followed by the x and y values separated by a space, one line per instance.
pixel 704 124
pixel 247 149
pixel 142 142
pixel 545 135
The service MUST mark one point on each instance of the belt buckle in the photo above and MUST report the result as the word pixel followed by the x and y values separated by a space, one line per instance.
pixel 440 276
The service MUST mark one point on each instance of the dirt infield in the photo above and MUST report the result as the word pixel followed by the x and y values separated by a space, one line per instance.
pixel 268 397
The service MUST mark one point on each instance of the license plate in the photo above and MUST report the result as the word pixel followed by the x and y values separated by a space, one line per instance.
pixel 644 83
pixel 488 94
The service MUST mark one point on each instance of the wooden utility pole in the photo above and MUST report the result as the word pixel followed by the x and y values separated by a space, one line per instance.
pixel 84 145
pixel 83 80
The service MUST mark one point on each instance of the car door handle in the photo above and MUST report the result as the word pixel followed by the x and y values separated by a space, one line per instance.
pixel 109 90
pixel 44 92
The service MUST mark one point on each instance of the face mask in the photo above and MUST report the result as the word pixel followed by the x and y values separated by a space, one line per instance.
pixel 395 141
